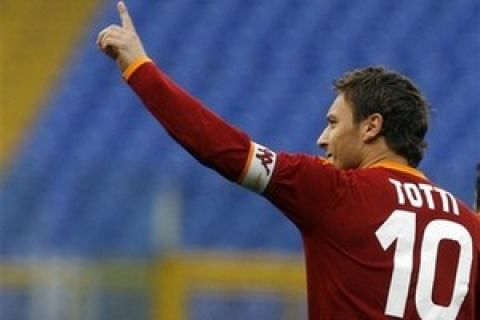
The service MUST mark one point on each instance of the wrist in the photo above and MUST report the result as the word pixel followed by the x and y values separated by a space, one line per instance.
pixel 133 66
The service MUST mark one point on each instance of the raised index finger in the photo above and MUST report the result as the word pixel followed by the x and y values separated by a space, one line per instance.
pixel 127 22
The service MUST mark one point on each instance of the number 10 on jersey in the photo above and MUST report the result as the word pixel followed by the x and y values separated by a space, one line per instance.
pixel 401 227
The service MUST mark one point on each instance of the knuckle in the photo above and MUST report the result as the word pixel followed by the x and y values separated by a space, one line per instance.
pixel 112 27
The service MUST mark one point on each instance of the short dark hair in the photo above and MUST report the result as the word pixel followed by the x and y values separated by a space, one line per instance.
pixel 404 109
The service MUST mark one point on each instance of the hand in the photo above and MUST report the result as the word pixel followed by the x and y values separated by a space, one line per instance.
pixel 121 43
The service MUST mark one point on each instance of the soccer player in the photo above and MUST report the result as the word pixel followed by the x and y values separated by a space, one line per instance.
pixel 381 241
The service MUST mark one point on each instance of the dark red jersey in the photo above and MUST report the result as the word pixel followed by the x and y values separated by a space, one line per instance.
pixel 380 243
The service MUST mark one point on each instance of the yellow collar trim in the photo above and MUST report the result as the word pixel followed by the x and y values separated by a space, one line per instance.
pixel 399 167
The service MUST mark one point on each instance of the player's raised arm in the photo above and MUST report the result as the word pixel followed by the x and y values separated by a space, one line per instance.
pixel 210 139
pixel 121 42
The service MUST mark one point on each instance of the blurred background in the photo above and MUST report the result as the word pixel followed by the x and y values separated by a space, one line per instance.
pixel 103 216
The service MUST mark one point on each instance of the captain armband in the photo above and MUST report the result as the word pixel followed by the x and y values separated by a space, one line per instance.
pixel 259 168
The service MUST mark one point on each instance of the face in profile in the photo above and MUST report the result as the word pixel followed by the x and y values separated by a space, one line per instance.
pixel 341 138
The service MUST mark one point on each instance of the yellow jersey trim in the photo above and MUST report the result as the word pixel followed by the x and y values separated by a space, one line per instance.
pixel 399 167
pixel 134 66
pixel 247 163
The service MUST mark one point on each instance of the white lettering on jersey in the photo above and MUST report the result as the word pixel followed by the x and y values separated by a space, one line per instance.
pixel 400 230
pixel 259 168
pixel 421 194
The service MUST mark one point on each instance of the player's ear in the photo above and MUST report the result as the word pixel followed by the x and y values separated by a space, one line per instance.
pixel 372 127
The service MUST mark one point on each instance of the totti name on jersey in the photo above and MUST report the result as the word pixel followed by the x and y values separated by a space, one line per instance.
pixel 420 195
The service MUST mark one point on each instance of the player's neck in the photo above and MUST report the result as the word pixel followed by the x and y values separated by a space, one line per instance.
pixel 383 158
pixel 380 154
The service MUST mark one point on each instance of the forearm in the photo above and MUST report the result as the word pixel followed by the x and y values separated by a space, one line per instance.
pixel 203 134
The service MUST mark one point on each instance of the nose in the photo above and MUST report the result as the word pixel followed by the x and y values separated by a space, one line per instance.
pixel 322 140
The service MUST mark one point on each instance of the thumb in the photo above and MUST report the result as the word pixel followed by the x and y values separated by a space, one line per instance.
pixel 127 22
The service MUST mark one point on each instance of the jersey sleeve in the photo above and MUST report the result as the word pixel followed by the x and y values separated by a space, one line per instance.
pixel 212 141
pixel 301 186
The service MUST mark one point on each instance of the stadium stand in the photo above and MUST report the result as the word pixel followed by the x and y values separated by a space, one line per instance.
pixel 87 180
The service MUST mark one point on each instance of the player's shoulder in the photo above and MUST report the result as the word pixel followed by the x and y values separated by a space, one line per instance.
pixel 304 158
pixel 308 172
pixel 302 162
